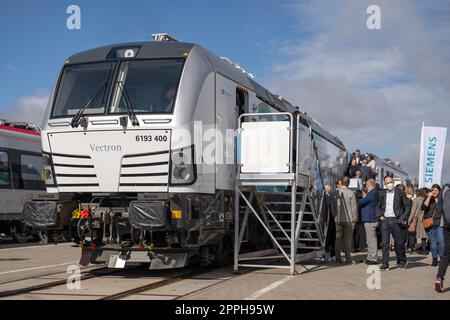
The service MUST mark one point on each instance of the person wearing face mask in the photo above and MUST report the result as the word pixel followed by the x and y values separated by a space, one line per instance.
pixel 432 209
pixel 393 209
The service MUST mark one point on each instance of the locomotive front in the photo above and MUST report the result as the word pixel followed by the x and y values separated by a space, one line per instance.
pixel 119 135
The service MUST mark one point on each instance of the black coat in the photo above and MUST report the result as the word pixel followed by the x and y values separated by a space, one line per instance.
pixel 327 207
pixel 351 172
pixel 402 206
pixel 361 158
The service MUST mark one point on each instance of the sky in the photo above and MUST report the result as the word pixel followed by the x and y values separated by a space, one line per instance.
pixel 371 88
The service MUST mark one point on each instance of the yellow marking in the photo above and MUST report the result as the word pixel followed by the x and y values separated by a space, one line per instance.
pixel 177 214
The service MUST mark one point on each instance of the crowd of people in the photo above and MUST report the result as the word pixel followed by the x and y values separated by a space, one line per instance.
pixel 397 218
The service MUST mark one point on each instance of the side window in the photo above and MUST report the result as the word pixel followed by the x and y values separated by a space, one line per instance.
pixel 5 176
pixel 27 171
pixel 31 167
pixel 304 147
pixel 241 101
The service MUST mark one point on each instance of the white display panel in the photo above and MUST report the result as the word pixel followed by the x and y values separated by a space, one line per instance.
pixel 265 147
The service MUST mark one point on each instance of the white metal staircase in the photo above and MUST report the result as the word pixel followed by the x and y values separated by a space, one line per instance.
pixel 282 203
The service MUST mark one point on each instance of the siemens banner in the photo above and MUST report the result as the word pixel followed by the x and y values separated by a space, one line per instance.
pixel 431 155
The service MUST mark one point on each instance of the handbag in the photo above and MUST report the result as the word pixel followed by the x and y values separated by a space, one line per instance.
pixel 413 226
pixel 428 222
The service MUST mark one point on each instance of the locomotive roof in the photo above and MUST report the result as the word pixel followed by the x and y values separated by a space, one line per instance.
pixel 175 49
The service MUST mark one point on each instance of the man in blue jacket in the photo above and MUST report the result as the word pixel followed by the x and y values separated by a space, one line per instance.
pixel 368 206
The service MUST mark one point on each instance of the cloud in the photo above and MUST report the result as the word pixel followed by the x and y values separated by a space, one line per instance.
pixel 27 109
pixel 372 88
pixel 409 157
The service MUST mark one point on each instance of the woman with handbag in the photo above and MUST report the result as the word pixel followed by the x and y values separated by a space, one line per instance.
pixel 433 223
pixel 416 230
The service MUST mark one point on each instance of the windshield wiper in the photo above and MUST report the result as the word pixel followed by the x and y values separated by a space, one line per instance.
pixel 77 117
pixel 129 105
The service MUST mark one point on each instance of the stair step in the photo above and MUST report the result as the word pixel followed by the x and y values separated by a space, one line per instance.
pixel 300 239
pixel 289 221
pixel 309 247
pixel 289 212
pixel 282 203
pixel 289 230
pixel 287 248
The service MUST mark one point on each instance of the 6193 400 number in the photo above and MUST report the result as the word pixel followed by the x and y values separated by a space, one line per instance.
pixel 150 138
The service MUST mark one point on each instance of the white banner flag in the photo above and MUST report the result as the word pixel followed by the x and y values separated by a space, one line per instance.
pixel 431 155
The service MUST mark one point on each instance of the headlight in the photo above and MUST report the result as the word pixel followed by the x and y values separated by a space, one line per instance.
pixel 48 169
pixel 183 167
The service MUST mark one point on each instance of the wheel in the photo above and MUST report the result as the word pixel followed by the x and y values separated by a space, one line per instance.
pixel 21 233
pixel 20 237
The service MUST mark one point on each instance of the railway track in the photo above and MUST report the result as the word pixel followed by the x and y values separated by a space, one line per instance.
pixel 101 273
pixel 156 285
pixel 91 274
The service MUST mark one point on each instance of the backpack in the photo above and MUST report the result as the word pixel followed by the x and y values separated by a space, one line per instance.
pixel 445 202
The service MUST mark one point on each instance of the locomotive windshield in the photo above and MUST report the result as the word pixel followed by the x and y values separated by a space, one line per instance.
pixel 150 84
pixel 77 85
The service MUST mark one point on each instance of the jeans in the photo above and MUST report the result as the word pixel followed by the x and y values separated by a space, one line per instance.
pixel 390 226
pixel 436 236
pixel 344 234
pixel 445 259
pixel 371 237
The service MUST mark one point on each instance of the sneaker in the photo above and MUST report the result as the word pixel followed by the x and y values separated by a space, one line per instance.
pixel 439 285
pixel 370 262
pixel 403 265
pixel 384 267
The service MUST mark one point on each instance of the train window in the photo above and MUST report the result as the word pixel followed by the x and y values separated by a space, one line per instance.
pixel 331 158
pixel 150 84
pixel 79 84
pixel 31 167
pixel 304 148
pixel 241 101
pixel 5 177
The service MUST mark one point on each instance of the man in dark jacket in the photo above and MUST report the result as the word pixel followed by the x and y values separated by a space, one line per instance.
pixel 393 210
pixel 358 157
pixel 368 205
pixel 445 260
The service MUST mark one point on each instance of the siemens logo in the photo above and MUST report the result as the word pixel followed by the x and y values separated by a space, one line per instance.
pixel 106 148
pixel 430 159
